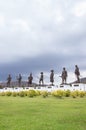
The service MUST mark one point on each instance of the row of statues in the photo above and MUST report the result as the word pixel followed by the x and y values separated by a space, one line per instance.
pixel 63 76
pixel 19 79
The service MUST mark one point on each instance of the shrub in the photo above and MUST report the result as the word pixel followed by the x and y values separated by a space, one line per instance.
pixel 8 93
pixel 85 93
pixel 58 93
pixel 14 94
pixel 2 94
pixel 74 94
pixel 21 94
pixel 77 92
pixel 38 93
pixel 81 93
pixel 25 92
pixel 31 93
pixel 44 93
pixel 67 93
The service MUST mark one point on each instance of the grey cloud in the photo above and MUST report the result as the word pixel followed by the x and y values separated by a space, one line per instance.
pixel 43 63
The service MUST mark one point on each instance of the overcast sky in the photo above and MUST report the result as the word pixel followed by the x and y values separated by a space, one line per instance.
pixel 40 35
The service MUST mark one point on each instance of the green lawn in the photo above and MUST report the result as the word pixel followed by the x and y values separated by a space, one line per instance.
pixel 38 113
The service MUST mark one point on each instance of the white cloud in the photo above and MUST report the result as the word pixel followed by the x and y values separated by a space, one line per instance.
pixel 20 24
pixel 80 9
pixel 2 20
pixel 38 27
pixel 58 16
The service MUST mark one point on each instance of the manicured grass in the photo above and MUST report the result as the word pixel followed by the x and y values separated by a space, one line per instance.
pixel 38 113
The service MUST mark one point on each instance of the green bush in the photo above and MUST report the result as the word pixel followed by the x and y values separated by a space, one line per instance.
pixel 85 93
pixel 22 94
pixel 44 93
pixel 25 92
pixel 38 93
pixel 2 94
pixel 67 93
pixel 31 93
pixel 77 92
pixel 14 94
pixel 81 93
pixel 8 93
pixel 58 93
pixel 74 94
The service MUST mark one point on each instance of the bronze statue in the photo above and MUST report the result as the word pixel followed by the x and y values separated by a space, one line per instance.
pixel 19 80
pixel 77 73
pixel 30 78
pixel 52 77
pixel 9 80
pixel 41 79
pixel 64 76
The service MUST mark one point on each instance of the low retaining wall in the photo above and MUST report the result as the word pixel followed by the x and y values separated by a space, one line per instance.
pixel 80 87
